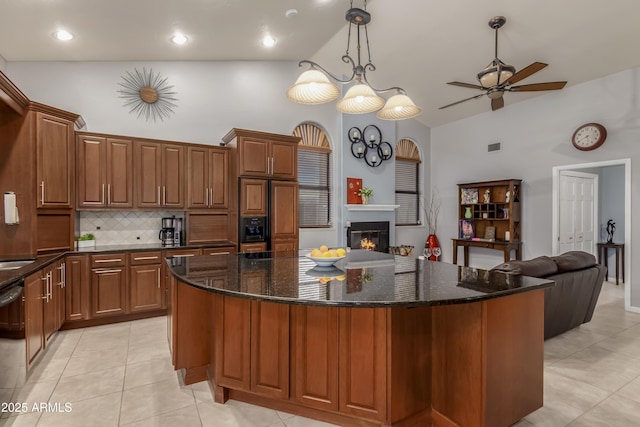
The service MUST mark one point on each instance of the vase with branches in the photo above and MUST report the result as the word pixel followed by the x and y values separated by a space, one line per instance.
pixel 432 250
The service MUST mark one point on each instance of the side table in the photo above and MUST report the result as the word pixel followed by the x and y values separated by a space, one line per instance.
pixel 604 248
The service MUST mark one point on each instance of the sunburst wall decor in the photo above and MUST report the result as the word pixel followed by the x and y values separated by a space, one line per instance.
pixel 148 94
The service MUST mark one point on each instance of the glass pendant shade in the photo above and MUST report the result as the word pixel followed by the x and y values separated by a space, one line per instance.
pixel 398 107
pixel 495 74
pixel 313 87
pixel 360 99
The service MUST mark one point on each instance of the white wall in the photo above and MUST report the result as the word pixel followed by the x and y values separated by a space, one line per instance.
pixel 536 136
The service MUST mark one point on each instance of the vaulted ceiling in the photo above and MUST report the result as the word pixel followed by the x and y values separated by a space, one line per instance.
pixel 416 44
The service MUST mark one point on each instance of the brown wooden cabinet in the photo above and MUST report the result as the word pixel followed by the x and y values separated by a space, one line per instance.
pixel 55 170
pixel 253 247
pixel 207 227
pixel 105 172
pixel 33 323
pixel 315 356
pixel 54 279
pixel 253 193
pixel 158 175
pixel 146 291
pixel 265 155
pixel 108 285
pixel 284 210
pixel 492 208
pixel 208 180
pixel 77 289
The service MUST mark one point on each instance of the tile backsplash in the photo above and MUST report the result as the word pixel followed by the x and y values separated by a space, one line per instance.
pixel 121 228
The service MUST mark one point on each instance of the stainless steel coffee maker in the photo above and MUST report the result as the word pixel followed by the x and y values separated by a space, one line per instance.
pixel 166 234
pixel 171 233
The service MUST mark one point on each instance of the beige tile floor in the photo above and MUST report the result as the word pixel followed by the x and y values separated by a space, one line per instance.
pixel 121 375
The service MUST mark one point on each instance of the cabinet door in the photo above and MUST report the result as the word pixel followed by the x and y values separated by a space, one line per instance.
pixel 108 287
pixel 270 349
pixel 232 327
pixel 315 356
pixel 284 247
pixel 253 247
pixel 77 288
pixel 254 197
pixel 147 174
pixel 362 362
pixel 33 325
pixel 218 177
pixel 145 292
pixel 284 160
pixel 172 176
pixel 198 178
pixel 55 161
pixel 284 210
pixel 254 157
pixel 119 173
pixel 92 171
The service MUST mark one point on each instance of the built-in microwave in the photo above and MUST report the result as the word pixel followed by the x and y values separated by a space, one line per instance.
pixel 253 229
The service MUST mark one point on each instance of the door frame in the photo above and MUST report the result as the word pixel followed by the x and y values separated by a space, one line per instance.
pixel 627 215
pixel 594 215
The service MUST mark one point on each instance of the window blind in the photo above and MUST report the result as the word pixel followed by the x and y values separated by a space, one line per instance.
pixel 407 192
pixel 314 177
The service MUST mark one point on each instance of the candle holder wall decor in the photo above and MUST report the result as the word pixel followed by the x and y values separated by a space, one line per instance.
pixel 368 145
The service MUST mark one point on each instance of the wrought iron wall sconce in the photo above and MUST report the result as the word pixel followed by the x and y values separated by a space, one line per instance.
pixel 368 145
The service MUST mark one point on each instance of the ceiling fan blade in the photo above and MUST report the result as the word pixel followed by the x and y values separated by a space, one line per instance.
pixel 525 72
pixel 458 102
pixel 468 85
pixel 538 86
pixel 497 103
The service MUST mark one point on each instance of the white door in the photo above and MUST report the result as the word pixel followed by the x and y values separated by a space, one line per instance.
pixel 578 215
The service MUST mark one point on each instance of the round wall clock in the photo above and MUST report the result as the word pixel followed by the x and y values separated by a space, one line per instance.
pixel 589 136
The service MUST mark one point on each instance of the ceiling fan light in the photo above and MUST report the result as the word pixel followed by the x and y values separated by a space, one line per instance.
pixel 495 74
pixel 399 107
pixel 313 87
pixel 360 99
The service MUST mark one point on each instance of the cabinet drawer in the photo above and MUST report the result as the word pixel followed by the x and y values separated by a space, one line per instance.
pixel 142 258
pixel 107 260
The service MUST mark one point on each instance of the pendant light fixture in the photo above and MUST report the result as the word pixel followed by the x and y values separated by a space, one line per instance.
pixel 314 87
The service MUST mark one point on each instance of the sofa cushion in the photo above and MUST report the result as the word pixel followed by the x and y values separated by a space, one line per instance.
pixel 537 267
pixel 574 260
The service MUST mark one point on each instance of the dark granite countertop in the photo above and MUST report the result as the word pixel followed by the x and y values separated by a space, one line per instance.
pixel 9 277
pixel 363 279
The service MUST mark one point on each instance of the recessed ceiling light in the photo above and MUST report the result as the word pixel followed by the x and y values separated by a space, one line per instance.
pixel 62 35
pixel 291 13
pixel 179 38
pixel 268 41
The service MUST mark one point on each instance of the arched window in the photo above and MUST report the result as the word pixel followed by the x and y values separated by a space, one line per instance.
pixel 314 176
pixel 407 182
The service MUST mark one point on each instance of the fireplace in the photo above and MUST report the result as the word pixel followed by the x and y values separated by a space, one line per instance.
pixel 372 236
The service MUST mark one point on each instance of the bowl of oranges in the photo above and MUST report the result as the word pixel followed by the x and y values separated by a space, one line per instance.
pixel 325 257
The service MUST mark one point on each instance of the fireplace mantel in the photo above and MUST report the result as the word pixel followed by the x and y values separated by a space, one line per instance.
pixel 372 208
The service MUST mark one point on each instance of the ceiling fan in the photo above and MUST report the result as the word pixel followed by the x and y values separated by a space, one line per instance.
pixel 498 77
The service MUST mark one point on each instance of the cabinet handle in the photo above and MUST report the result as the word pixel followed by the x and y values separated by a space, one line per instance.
pixel 100 271
pixel 46 293
pixel 108 194
pixel 140 258
pixel 211 198
pixel 206 196
pixel 182 256
pixel 272 166
pixel 158 278
pixel 42 192
pixel 158 195
pixel 108 260
pixel 102 199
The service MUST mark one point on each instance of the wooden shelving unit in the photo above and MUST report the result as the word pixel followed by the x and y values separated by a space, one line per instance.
pixel 490 204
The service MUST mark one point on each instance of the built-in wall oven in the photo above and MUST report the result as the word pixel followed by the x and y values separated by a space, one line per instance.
pixel 253 229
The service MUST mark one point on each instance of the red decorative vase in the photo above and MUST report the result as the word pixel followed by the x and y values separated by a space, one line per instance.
pixel 433 247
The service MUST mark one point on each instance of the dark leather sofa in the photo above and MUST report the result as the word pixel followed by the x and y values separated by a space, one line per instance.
pixel 572 300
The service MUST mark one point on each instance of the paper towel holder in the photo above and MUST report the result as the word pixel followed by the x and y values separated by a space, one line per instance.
pixel 10 209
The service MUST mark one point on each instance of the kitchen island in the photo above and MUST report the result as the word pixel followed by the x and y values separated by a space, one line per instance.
pixel 376 339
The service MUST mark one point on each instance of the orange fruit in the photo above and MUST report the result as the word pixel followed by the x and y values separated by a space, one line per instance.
pixel 324 248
